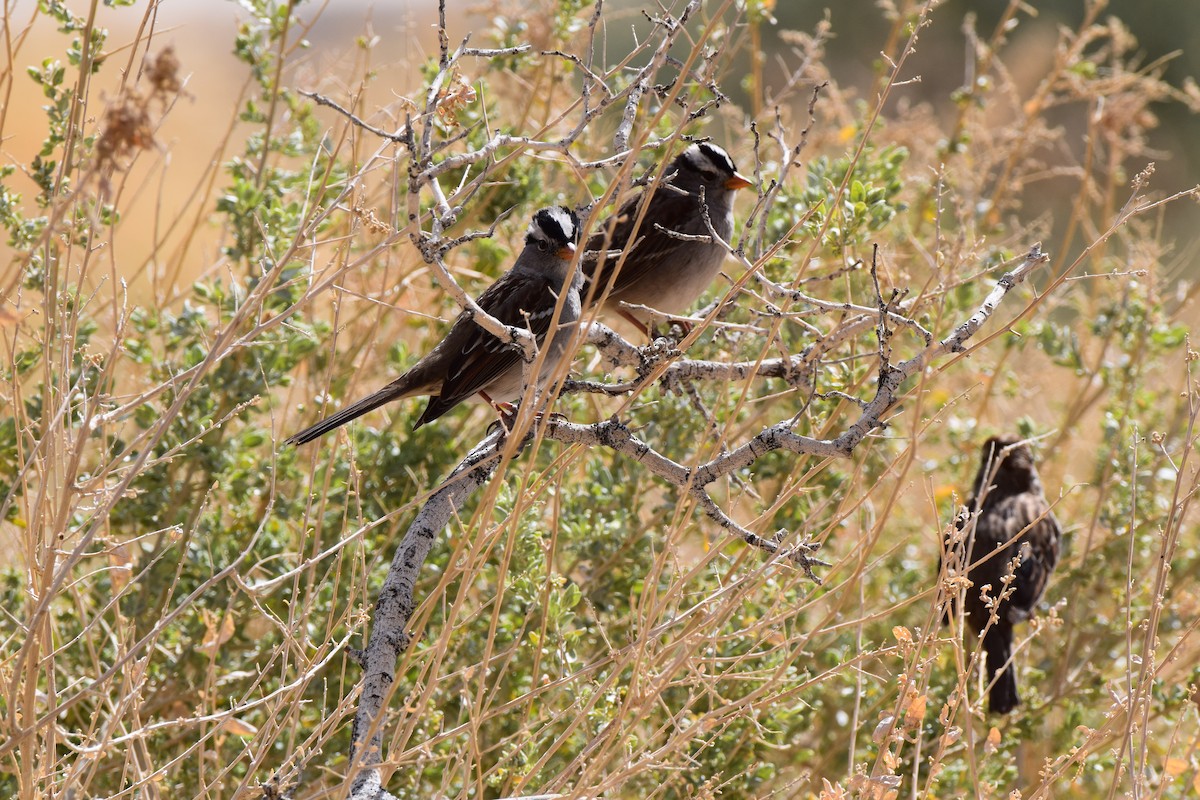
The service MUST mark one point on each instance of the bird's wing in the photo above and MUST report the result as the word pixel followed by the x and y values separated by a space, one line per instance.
pixel 1039 548
pixel 653 246
pixel 473 357
pixel 1024 514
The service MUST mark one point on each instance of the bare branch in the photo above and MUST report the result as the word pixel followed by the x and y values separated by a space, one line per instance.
pixel 797 296
pixel 399 136
pixel 395 606
pixel 642 82
pixel 800 554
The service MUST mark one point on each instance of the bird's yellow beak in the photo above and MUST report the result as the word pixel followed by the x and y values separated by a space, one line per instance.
pixel 567 252
pixel 738 181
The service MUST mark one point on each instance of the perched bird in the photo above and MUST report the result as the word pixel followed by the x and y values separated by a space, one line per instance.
pixel 1011 520
pixel 470 360
pixel 664 272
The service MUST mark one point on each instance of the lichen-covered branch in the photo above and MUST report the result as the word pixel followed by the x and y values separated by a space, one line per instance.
pixel 394 608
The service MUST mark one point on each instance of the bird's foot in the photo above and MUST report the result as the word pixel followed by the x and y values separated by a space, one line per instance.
pixel 679 329
pixel 507 418
pixel 659 350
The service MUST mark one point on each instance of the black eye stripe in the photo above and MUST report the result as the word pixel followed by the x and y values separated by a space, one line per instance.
pixel 717 157
pixel 557 225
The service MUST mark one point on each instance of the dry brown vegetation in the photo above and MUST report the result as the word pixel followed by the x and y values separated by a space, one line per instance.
pixel 182 597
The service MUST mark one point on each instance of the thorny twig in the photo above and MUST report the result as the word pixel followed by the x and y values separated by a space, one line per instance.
pixel 790 156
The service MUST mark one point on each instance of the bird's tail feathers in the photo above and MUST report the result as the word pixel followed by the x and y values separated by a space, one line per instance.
pixel 393 391
pixel 1003 696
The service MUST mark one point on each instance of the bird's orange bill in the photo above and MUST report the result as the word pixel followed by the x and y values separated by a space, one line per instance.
pixel 567 252
pixel 738 181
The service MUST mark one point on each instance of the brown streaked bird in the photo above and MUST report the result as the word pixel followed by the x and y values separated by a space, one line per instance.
pixel 661 271
pixel 1009 518
pixel 472 361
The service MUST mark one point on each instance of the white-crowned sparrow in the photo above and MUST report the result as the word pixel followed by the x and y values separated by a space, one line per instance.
pixel 664 272
pixel 1008 501
pixel 470 360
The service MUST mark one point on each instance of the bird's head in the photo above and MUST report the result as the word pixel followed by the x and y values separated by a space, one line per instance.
pixel 554 230
pixel 1010 461
pixel 710 165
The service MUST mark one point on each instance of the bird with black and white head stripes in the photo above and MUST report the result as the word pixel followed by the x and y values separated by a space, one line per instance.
pixel 469 360
pixel 662 263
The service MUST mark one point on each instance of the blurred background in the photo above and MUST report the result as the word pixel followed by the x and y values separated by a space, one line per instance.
pixel 192 136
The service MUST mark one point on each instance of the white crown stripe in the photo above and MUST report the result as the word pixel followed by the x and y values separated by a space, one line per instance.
pixel 557 215
pixel 560 215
